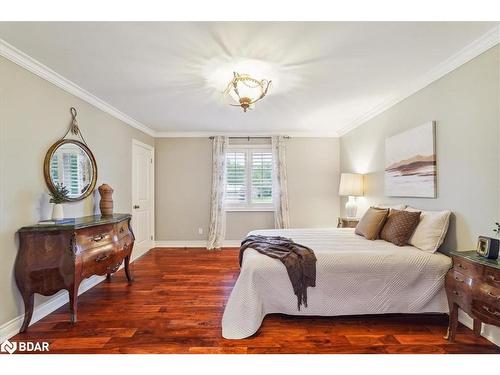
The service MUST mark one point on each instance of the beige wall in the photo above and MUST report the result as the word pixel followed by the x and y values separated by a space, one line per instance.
pixel 313 182
pixel 33 115
pixel 183 183
pixel 183 179
pixel 465 105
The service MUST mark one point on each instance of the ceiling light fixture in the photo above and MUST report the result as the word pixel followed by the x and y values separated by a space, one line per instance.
pixel 246 90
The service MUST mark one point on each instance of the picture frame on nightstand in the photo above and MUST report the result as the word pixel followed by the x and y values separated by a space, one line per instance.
pixel 347 222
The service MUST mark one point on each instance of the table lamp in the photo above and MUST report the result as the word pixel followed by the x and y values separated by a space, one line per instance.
pixel 351 185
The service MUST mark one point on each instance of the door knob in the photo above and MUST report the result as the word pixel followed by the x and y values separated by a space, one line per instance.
pixel 136 206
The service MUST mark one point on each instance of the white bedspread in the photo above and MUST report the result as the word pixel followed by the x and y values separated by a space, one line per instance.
pixel 353 276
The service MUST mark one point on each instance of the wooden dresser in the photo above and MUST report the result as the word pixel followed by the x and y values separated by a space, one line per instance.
pixel 59 256
pixel 473 284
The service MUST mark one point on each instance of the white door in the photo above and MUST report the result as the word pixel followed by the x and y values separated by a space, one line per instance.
pixel 142 197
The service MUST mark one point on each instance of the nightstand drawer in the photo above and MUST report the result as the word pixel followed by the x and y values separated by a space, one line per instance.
pixel 459 278
pixel 459 288
pixel 486 313
pixel 467 268
pixel 489 294
pixel 492 277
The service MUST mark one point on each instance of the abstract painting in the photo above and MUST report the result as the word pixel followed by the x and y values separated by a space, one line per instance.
pixel 410 163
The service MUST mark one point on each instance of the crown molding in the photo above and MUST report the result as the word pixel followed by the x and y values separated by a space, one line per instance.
pixel 311 134
pixel 27 62
pixel 469 52
pixel 474 49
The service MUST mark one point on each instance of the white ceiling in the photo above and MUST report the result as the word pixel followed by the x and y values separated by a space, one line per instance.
pixel 326 75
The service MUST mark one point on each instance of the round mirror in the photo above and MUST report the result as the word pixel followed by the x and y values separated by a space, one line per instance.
pixel 71 164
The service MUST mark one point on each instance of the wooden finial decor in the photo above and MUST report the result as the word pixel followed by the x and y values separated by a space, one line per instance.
pixel 106 203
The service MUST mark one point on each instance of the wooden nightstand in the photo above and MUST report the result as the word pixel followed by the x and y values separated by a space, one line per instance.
pixel 473 284
pixel 347 222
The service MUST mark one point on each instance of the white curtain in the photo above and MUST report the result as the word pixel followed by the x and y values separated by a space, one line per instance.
pixel 280 181
pixel 217 228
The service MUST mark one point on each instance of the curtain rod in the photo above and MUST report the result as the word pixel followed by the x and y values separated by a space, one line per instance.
pixel 251 137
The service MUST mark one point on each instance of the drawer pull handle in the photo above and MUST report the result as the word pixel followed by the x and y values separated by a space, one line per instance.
pixel 458 279
pixel 456 293
pixel 491 311
pixel 122 229
pixel 101 257
pixel 98 238
pixel 461 266
pixel 493 278
pixel 493 295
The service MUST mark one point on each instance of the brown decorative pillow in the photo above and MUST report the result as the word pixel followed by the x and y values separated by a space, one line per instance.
pixel 372 221
pixel 399 226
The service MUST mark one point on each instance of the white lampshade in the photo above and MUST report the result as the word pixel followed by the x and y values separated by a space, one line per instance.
pixel 351 184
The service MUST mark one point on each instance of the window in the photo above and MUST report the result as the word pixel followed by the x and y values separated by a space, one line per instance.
pixel 249 185
pixel 66 168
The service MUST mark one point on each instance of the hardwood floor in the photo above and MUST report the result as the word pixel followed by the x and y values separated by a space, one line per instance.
pixel 176 303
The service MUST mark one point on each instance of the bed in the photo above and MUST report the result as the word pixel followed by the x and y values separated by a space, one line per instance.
pixel 354 276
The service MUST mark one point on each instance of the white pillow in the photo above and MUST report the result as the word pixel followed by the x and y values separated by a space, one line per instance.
pixel 431 230
pixel 391 206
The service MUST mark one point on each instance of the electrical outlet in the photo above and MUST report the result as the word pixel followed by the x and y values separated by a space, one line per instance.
pixel 200 230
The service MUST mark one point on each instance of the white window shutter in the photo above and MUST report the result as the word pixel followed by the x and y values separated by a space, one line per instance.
pixel 236 185
pixel 262 177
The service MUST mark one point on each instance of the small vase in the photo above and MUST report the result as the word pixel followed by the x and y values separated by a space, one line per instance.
pixel 106 203
pixel 57 212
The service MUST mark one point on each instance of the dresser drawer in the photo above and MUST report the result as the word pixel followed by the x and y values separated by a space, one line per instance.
pixel 467 268
pixel 122 229
pixel 101 260
pixel 125 244
pixel 89 238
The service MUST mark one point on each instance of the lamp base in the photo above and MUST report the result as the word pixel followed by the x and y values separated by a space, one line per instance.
pixel 351 208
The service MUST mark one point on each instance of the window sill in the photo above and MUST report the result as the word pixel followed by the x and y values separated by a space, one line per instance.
pixel 249 209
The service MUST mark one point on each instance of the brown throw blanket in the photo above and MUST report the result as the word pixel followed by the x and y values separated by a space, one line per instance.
pixel 300 261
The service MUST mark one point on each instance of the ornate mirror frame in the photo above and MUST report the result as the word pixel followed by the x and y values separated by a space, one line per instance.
pixel 74 129
pixel 46 167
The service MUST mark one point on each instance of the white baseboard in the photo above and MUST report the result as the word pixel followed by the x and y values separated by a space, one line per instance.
pixel 12 327
pixel 489 332
pixel 195 243
pixel 139 251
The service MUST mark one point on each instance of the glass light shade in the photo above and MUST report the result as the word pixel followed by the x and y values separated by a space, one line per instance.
pixel 351 184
